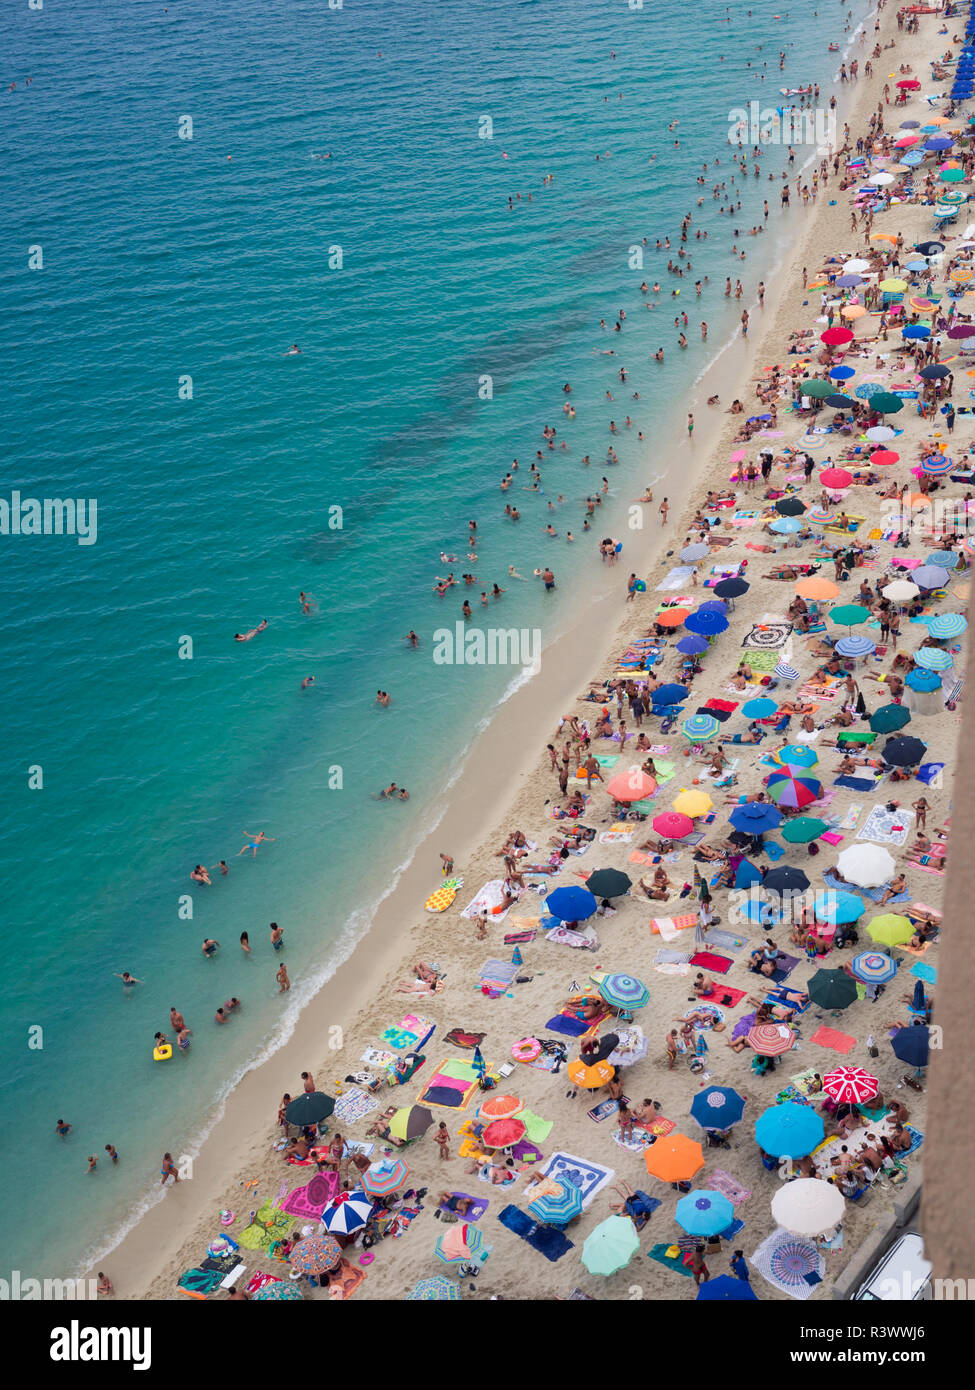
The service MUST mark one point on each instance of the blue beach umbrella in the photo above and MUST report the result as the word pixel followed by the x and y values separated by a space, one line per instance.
pixel 700 727
pixel 704 1213
pixel 760 708
pixel 692 645
pixel 912 158
pixel 785 672
pixel 849 282
pixel 713 605
pixel 874 967
pixel 348 1212
pixel 933 659
pixel 746 875
pixel 923 681
pixel 706 624
pixel 785 526
pixel 930 577
pixel 912 1045
pixel 946 559
pixel 624 991
pixel 796 755
pixel 939 142
pixel 843 373
pixel 669 694
pixel 838 907
pixel 855 646
pixel 726 1289
pixel 557 1209
pixel 916 265
pixel 789 1130
pixel 755 817
pixel 916 330
pixel 572 904
pixel 947 625
pixel 730 588
pixel 717 1107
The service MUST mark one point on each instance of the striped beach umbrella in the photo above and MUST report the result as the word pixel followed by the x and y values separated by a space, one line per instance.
pixel 874 967
pixel 793 789
pixel 785 672
pixel 700 727
pixel 458 1244
pixel 555 1209
pixel 937 465
pixel 384 1176
pixel 348 1212
pixel 624 991
pixel 797 755
pixel 933 659
pixel 947 625
pixel 771 1040
pixel 499 1108
pixel 851 1085
pixel 437 1289
pixel 822 515
pixel 855 646
pixel 590 1077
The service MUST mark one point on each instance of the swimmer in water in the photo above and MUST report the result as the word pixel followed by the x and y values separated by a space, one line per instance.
pixel 382 698
pixel 282 979
pixel 183 1039
pixel 412 638
pixel 253 842
pixel 293 351
pixel 128 979
pixel 246 636
pixel 200 874
pixel 309 680
pixel 210 947
pixel 514 573
pixel 245 943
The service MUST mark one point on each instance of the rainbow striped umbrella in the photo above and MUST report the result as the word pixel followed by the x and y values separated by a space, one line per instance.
pixel 459 1244
pixel 793 788
pixel 557 1209
pixel 384 1177
pixel 936 465
pixel 822 515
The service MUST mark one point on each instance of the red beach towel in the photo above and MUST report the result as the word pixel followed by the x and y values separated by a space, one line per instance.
pixel 837 1042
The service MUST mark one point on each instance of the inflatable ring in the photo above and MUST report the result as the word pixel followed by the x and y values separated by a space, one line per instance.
pixel 227 1218
pixel 366 1258
pixel 526 1050
pixel 162 1054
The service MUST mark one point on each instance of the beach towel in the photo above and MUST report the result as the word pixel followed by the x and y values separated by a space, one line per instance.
pixel 200 1281
pixel 727 940
pixel 707 960
pixel 458 1037
pixel 589 1177
pixel 767 636
pixel 352 1105
pixel 377 1057
pixel 568 1027
pixel 484 1175
pixel 348 1280
pixel 875 894
pixel 835 1041
pixel 851 817
pixel 927 973
pixel 547 1240
pixel 727 997
pixel 524 1153
pixel 856 784
pixel 604 1109
pixel 917 1139
pixel 498 971
pixel 451 1086
pixel 886 827
pixel 790 1263
pixel 675 578
pixel 803 1080
pixel 659 1127
pixel 658 1253
pixel 637 1143
pixel 490 901
pixel 668 927
pixel 667 957
pixel 784 968
pixel 475 1211
pixel 520 938
pixel 312 1198
pixel 561 935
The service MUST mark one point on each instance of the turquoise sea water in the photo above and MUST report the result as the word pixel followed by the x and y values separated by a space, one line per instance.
pixel 166 258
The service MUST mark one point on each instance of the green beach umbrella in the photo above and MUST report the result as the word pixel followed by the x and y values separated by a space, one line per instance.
pixel 611 1246
pixel 832 989
pixel 816 388
pixel 952 176
pixel 700 727
pixel 890 929
pixel 886 403
pixel 849 614
pixel 437 1289
pixel 803 829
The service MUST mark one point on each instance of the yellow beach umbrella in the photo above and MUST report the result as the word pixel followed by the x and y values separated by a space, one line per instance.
pixel 961 275
pixel 590 1078
pixel 893 286
pixel 693 803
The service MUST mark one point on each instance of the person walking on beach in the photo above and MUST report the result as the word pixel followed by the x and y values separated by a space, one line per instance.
pixel 105 1286
pixel 168 1170
pixel 447 864
pixel 282 978
pixel 309 1082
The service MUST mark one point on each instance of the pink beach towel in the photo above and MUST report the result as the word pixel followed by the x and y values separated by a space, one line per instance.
pixel 836 1042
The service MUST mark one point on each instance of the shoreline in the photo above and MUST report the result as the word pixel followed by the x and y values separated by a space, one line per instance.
pixel 511 740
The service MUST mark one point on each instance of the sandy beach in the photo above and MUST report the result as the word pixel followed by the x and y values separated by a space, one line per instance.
pixel 507 783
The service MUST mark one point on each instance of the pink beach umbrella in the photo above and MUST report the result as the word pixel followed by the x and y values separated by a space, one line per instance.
pixel 672 825
pixel 632 785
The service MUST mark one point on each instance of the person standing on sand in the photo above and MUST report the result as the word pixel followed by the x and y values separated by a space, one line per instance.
pixel 442 1137
pixel 309 1082
pixel 664 509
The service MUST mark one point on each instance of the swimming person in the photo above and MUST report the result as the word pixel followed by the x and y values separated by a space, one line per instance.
pixel 254 841
pixel 246 636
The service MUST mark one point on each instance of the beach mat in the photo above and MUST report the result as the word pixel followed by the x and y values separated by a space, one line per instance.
pixel 568 1027
pixel 835 1041
pixel 707 960
pixel 856 784
pixel 722 1181
pixel 459 1037
pixel 475 1211
pixel 675 1262
pixel 545 1239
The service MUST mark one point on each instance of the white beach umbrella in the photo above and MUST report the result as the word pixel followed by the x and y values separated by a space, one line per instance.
pixel 855 267
pixel 880 434
pixel 868 866
pixel 900 591
pixel 808 1206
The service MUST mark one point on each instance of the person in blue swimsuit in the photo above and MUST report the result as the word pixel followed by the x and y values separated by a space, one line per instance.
pixel 254 841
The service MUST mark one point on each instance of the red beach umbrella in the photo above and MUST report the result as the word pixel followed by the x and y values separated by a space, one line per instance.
pixel 883 457
pixel 499 1134
pixel 835 477
pixel 771 1039
pixel 851 1084
pixel 632 785
pixel 672 617
pixel 836 337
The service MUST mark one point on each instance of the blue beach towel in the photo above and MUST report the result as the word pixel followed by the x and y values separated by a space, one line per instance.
pixel 568 1027
pixel 857 784
pixel 545 1239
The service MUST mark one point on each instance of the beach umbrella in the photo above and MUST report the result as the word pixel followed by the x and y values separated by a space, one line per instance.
pixel 785 672
pixel 674 1158
pixel 837 401
pixel 934 373
pixel 904 751
pixel 832 989
pixel 842 372
pixel 816 389
pixel 755 817
pixel 856 265
pixel 631 785
pixel 834 478
pixel 838 907
pixel 573 904
pixel 789 1130
pixel 609 883
pixel 731 588
pixel 881 434
pixel 929 248
pixel 557 1209
pixel 671 617
pixel 884 457
pixel 960 331
pixel 785 526
pixel 906 141
pixel 671 825
pixel 900 591
pixel 922 681
pixel 692 645
pixel 933 659
pixel 804 829
pixel 848 282
pixel 384 1176
pixel 631 1047
pixel 459 1244
pixel 726 1289
pixel 706 624
pixel 669 694
pixel 309 1109
pixel 874 967
pixel 501 1134
pixel 611 1246
pixel 499 1108
pixel 717 1107
pixel 908 84
pixel 915 332
pixel 836 337
pixel 278 1292
pixel 816 587
pixel 693 803
pixel 853 311
pixel 955 176
pixel 808 1206
pixel 851 1085
pixel 855 646
pixel 890 929
pixel 930 577
pixel 713 605
pixel 849 614
pixel 700 727
pixel 947 625
pixel 939 142
pixel 759 708
pixel 893 285
pixel 889 718
pixel 886 403
pixel 793 789
pixel 315 1254
pixel 770 1040
pixel 912 1045
pixel 434 1290
pixel 624 992
pixel 348 1212
pixel 704 1213
pixel 790 506
pixel 692 553
pixel 797 755
pixel 785 879
pixel 945 559
pixel 410 1122
pixel 746 875
pixel 590 1077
